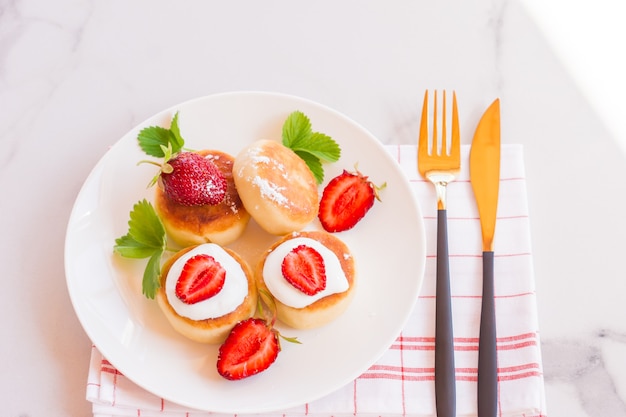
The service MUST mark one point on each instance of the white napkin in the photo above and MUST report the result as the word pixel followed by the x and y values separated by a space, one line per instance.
pixel 401 383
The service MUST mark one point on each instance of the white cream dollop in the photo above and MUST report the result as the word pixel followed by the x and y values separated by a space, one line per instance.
pixel 231 295
pixel 336 281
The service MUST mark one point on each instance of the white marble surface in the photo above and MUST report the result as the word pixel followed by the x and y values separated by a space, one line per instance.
pixel 75 75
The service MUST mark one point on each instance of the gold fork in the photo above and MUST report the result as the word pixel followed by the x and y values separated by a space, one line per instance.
pixel 441 167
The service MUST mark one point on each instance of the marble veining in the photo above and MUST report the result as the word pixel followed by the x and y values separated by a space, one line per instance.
pixel 583 365
pixel 496 22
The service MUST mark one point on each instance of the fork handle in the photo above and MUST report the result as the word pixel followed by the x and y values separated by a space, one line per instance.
pixel 445 384
pixel 487 353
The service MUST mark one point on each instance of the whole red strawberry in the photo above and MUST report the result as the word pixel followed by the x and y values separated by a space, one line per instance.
pixel 345 201
pixel 193 180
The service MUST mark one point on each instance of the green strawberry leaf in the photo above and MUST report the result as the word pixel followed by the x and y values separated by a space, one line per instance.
pixel 312 147
pixel 319 145
pixel 153 139
pixel 146 238
pixel 177 140
pixel 150 283
pixel 145 226
pixel 130 248
pixel 314 164
pixel 297 127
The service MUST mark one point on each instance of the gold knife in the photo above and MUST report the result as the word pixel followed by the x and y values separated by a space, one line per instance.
pixel 485 179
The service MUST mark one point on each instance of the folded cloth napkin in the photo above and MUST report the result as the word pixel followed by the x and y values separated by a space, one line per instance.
pixel 401 382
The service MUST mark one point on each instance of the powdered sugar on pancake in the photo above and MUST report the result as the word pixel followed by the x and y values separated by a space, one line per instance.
pixel 271 190
pixel 267 188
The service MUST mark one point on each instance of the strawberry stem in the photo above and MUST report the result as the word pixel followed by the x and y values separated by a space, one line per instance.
pixel 166 168
pixel 147 161
pixel 377 189
pixel 266 299
pixel 290 339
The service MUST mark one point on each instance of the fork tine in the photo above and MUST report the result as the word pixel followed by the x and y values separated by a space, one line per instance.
pixel 444 136
pixel 433 156
pixel 434 147
pixel 455 151
pixel 423 138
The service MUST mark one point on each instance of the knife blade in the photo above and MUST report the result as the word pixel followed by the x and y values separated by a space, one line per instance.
pixel 485 180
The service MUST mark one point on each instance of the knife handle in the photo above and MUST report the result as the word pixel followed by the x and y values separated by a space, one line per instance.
pixel 445 384
pixel 487 353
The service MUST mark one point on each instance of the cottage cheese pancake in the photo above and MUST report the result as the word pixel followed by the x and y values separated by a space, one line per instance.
pixel 295 308
pixel 222 223
pixel 276 187
pixel 211 319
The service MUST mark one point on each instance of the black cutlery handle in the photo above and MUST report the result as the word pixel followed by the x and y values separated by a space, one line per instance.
pixel 487 354
pixel 445 384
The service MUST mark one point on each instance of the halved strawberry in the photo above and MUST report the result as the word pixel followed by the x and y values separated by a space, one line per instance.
pixel 303 267
pixel 253 344
pixel 345 201
pixel 202 277
pixel 251 347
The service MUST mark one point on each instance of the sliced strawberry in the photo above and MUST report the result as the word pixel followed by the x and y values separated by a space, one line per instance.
pixel 202 277
pixel 192 180
pixel 251 347
pixel 345 201
pixel 304 268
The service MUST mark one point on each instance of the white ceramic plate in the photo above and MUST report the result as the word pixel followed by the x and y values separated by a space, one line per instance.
pixel 130 331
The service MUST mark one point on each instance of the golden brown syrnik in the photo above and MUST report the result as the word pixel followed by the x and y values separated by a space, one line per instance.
pixel 326 308
pixel 220 223
pixel 208 328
